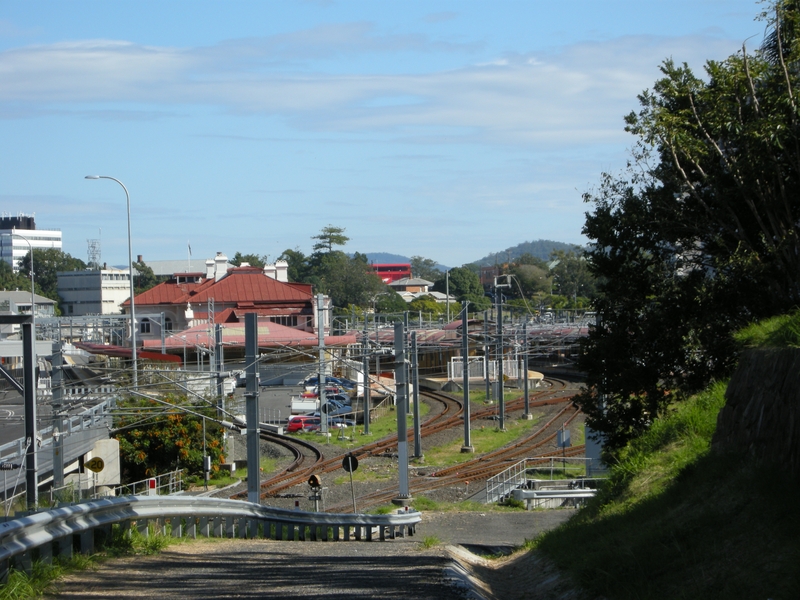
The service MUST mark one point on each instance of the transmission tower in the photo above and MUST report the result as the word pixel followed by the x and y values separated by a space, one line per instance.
pixel 94 253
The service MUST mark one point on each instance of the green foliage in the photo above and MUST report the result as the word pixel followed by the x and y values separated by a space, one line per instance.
pixel 699 237
pixel 154 438
pixel 678 521
pixel 348 281
pixel 329 237
pixel 297 269
pixel 390 301
pixel 144 279
pixel 430 541
pixel 15 281
pixel 254 260
pixel 425 268
pixel 46 265
pixel 782 331
pixel 428 305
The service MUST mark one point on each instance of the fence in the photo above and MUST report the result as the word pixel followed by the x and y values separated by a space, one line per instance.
pixel 57 531
pixel 166 483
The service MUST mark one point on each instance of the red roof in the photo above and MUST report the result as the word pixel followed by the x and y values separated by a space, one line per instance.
pixel 269 335
pixel 243 286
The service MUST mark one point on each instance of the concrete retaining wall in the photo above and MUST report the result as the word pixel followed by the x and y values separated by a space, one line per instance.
pixel 762 414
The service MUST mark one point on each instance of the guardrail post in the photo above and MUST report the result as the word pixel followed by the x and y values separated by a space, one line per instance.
pixel 204 527
pixel 252 526
pixel 217 527
pixel 3 572
pixel 242 528
pixel 142 527
pixel 176 525
pixel 46 553
pixel 65 547
pixel 230 527
pixel 191 527
pixel 87 542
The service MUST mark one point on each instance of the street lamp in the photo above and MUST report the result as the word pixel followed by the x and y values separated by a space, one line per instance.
pixel 33 294
pixel 130 271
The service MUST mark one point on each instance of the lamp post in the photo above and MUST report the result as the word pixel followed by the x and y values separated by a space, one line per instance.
pixel 130 271
pixel 31 461
pixel 447 292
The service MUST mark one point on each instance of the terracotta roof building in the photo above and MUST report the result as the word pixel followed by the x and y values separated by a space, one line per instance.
pixel 190 299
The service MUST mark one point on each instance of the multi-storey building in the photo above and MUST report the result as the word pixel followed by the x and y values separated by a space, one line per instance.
pixel 18 235
pixel 93 292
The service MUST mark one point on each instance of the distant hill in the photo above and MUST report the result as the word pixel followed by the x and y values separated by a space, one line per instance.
pixel 539 249
pixel 386 258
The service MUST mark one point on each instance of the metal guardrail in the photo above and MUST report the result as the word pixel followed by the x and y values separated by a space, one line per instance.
pixel 91 417
pixel 56 531
pixel 501 485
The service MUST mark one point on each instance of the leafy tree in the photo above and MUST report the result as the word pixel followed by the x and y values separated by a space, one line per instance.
pixel 9 280
pixel 425 268
pixel 144 279
pixel 700 235
pixel 298 269
pixel 572 276
pixel 254 260
pixel 46 265
pixel 329 237
pixel 171 439
pixel 465 285
pixel 348 281
pixel 389 301
pixel 428 305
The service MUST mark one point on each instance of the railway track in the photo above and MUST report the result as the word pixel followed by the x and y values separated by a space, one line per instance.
pixel 309 459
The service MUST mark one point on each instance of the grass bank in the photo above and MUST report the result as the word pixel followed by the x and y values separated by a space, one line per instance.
pixel 679 521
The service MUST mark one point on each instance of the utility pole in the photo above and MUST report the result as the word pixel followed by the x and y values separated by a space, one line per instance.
pixel 527 414
pixel 401 395
pixel 321 380
pixel 29 374
pixel 253 454
pixel 467 447
pixel 501 399
pixel 58 422
pixel 415 387
pixel 487 355
pixel 365 368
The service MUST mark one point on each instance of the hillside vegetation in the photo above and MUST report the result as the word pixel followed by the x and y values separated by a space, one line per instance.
pixel 678 520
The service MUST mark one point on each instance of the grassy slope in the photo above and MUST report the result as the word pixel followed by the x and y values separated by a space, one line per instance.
pixel 677 521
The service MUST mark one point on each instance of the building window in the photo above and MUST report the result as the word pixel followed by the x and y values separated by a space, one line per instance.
pixel 144 326
pixel 287 321
pixel 167 324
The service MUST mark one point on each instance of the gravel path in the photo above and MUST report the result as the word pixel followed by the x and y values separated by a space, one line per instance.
pixel 401 568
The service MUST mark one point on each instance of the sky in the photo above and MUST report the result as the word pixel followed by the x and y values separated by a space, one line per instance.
pixel 444 129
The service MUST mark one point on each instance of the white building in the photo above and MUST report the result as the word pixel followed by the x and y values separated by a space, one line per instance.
pixel 13 248
pixel 93 292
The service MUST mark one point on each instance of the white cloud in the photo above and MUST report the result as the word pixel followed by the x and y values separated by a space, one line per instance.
pixel 578 94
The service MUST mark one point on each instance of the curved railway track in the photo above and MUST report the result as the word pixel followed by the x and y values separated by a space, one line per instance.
pixel 309 459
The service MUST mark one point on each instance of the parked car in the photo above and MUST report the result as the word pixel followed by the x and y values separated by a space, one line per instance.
pixel 303 423
pixel 342 399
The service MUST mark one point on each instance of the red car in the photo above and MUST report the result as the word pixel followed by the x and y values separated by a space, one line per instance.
pixel 303 423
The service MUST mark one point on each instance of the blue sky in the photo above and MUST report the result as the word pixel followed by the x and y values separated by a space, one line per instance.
pixel 445 129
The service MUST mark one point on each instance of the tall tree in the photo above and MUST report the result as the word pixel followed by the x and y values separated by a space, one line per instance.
pixel 700 235
pixel 425 268
pixel 329 237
